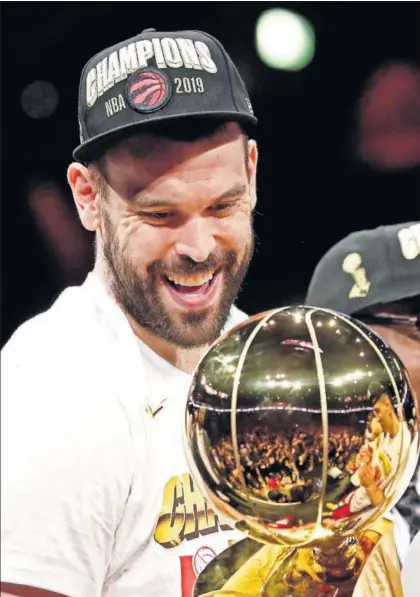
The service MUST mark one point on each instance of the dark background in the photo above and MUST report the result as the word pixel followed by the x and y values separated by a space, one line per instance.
pixel 313 186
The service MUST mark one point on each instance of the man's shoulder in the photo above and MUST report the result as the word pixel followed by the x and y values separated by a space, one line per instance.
pixel 82 346
pixel 49 333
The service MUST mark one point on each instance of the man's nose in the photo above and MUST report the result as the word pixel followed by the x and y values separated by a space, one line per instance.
pixel 195 240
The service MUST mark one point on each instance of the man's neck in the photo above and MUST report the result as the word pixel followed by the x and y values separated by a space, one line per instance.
pixel 181 358
pixel 395 427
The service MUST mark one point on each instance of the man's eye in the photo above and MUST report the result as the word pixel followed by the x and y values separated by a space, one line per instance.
pixel 158 215
pixel 222 206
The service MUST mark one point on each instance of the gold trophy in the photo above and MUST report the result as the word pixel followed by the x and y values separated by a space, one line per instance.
pixel 301 431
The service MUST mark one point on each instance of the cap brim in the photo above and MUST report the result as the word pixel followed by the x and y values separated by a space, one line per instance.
pixel 94 148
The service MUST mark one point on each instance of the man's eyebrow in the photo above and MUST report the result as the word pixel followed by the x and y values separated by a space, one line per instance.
pixel 236 191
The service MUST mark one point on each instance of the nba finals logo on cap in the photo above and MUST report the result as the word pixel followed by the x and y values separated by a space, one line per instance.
pixel 352 265
pixel 148 90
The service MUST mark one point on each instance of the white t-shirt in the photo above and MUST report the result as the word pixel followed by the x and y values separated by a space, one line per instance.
pixel 386 458
pixel 410 569
pixel 96 496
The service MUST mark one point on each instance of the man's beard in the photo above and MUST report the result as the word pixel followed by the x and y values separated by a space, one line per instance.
pixel 140 299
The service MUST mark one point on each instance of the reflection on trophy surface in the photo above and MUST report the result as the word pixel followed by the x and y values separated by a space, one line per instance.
pixel 302 431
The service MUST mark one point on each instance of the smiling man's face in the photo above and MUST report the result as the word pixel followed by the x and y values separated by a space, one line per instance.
pixel 176 231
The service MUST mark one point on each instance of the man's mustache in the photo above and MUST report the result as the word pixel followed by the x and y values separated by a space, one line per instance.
pixel 187 266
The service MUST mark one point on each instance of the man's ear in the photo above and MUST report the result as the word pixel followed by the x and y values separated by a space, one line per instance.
pixel 85 187
pixel 252 170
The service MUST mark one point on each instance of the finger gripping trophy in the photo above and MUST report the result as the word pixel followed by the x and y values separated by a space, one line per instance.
pixel 301 430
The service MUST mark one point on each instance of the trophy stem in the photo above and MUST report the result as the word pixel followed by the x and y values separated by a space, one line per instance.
pixel 330 569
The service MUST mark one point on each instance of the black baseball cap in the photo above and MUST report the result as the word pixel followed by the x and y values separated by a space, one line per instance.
pixel 367 268
pixel 156 78
pixel 375 390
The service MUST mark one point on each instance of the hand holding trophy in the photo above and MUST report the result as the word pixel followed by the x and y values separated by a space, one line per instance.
pixel 301 431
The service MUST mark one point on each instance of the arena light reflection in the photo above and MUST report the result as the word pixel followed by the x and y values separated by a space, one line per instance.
pixel 289 408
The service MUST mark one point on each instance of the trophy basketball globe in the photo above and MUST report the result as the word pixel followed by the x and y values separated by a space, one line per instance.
pixel 301 430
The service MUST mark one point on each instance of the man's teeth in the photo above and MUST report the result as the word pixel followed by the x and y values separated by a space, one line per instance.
pixel 197 280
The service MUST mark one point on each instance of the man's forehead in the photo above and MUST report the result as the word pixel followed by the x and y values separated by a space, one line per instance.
pixel 150 146
pixel 178 191
pixel 150 161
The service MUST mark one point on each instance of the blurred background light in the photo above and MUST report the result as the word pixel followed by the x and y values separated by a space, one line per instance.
pixel 39 99
pixel 284 40
pixel 388 117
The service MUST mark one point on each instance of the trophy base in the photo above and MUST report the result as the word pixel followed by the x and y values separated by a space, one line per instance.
pixel 330 569
pixel 365 565
pixel 335 568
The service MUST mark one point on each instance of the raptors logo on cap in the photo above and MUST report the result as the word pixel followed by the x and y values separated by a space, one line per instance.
pixel 148 90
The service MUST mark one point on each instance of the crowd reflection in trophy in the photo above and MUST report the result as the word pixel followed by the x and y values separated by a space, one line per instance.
pixel 279 465
pixel 283 465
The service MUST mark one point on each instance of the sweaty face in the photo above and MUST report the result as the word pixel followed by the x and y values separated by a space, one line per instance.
pixel 382 414
pixel 177 234
pixel 375 427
